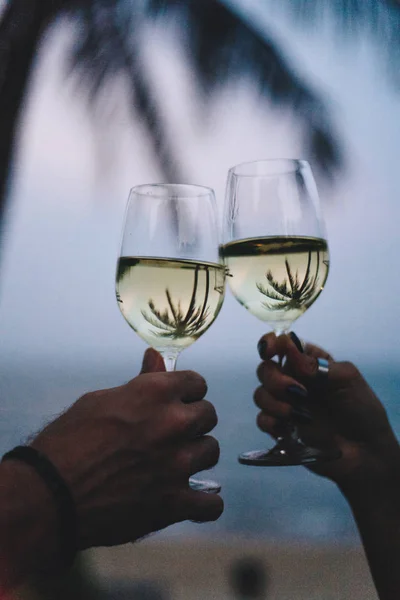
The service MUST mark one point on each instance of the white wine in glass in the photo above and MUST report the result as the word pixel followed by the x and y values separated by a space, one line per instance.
pixel 170 303
pixel 277 260
pixel 170 281
pixel 277 278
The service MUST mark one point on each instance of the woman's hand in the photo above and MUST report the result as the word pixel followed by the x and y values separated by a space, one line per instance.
pixel 337 412
pixel 340 411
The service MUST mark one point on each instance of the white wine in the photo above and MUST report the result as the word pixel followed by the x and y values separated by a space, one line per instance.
pixel 169 303
pixel 277 278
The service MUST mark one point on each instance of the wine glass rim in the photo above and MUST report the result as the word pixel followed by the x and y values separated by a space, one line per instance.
pixel 288 165
pixel 150 189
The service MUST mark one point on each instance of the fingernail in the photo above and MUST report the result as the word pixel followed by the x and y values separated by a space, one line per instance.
pixel 297 396
pixel 262 347
pixel 296 342
pixel 301 415
pixel 296 392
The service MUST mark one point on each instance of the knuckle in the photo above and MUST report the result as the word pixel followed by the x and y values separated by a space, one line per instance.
pixel 211 413
pixel 184 460
pixel 261 372
pixel 87 398
pixel 160 383
pixel 179 421
pixel 203 419
pixel 261 420
pixel 155 386
pixel 264 422
pixel 197 380
pixel 94 396
pixel 349 372
pixel 258 396
pixel 212 448
pixel 90 400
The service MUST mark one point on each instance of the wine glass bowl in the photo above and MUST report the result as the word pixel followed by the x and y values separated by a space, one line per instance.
pixel 277 278
pixel 170 303
pixel 277 260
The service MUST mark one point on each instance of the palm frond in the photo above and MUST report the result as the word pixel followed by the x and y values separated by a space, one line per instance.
pixel 107 47
pixel 280 288
pixel 290 294
pixel 180 325
pixel 21 28
pixel 220 46
pixel 376 16
pixel 223 47
pixel 379 19
pixel 273 294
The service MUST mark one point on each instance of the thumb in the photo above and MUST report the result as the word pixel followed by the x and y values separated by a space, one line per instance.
pixel 305 365
pixel 300 364
pixel 152 362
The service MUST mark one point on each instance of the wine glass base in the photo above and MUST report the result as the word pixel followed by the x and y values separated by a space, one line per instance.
pixel 280 457
pixel 204 485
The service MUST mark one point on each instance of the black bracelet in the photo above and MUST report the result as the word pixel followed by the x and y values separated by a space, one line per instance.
pixel 66 510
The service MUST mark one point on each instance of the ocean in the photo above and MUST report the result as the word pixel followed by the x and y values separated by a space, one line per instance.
pixel 277 503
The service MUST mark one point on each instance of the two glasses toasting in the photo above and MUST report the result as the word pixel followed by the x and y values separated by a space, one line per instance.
pixel 172 267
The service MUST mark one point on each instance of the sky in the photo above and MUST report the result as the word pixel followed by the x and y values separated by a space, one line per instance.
pixel 76 165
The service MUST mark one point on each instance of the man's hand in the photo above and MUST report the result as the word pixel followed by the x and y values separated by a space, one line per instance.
pixel 127 454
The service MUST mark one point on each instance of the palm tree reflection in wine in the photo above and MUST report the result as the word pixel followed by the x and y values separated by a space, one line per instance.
pixel 173 323
pixel 291 294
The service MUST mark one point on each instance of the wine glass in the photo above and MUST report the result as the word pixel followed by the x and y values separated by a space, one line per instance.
pixel 277 260
pixel 170 282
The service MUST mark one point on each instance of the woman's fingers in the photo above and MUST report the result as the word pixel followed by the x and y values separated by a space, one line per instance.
pixel 270 405
pixel 316 351
pixel 268 424
pixel 270 345
pixel 277 383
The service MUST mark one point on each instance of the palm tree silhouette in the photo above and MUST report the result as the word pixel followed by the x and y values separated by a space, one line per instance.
pixel 219 44
pixel 173 323
pixel 291 293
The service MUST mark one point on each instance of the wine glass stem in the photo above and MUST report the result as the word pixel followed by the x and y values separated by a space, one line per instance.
pixel 290 433
pixel 170 360
pixel 211 487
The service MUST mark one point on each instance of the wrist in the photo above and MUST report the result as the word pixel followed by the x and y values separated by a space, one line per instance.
pixel 376 480
pixel 28 524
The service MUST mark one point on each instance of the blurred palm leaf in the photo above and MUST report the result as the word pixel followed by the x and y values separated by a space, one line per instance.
pixel 220 46
pixel 107 46
pixel 379 19
pixel 377 16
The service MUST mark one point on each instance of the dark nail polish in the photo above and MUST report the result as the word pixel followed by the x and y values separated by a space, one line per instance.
pixel 301 416
pixel 262 347
pixel 297 397
pixel 296 342
pixel 297 393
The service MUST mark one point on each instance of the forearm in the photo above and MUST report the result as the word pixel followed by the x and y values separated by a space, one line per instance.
pixel 27 525
pixel 376 509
